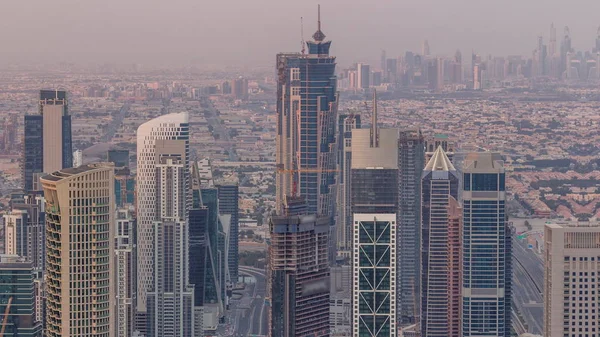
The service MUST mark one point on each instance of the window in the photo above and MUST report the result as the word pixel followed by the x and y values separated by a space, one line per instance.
pixel 295 74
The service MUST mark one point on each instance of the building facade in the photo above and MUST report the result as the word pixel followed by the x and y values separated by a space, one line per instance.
pixel 47 144
pixel 171 300
pixel 486 297
pixel 307 101
pixel 229 204
pixel 80 222
pixel 17 290
pixel 439 185
pixel 571 277
pixel 411 152
pixel 374 205
pixel 173 126
pixel 374 274
pixel 298 280
pixel 125 280
pixel 343 223
pixel 454 252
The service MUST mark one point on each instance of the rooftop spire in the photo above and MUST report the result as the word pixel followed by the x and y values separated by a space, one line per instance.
pixel 318 35
pixel 439 161
pixel 374 131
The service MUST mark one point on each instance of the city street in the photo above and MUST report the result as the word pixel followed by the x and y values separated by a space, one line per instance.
pixel 528 286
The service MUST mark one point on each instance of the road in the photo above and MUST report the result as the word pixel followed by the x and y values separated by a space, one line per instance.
pixel 528 286
pixel 115 124
pixel 250 316
pixel 215 121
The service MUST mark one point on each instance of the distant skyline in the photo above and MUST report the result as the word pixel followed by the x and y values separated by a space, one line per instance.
pixel 250 33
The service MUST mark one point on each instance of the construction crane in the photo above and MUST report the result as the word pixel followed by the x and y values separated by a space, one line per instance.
pixel 6 311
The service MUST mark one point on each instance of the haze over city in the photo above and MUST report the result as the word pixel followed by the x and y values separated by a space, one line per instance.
pixel 205 169
pixel 249 33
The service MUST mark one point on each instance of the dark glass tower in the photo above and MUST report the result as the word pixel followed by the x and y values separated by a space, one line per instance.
pixel 17 287
pixel 33 158
pixel 487 252
pixel 307 100
pixel 411 153
pixel 229 204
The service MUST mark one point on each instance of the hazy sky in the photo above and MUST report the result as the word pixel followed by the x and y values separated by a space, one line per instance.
pixel 249 32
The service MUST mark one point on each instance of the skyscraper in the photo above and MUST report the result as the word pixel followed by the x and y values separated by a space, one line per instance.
pixel 170 301
pixel 167 127
pixel 47 141
pixel 57 150
pixel 17 290
pixel 307 93
pixel 439 184
pixel 229 204
pixel 298 272
pixel 80 224
pixel 454 252
pixel 346 124
pixel 571 256
pixel 487 273
pixel 374 204
pixel 125 280
pixel 411 152
pixel 363 72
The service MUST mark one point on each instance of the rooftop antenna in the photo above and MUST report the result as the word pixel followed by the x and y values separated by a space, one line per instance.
pixel 319 17
pixel 374 131
pixel 302 35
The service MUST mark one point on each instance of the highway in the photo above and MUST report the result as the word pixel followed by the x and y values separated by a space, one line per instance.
pixel 250 315
pixel 115 124
pixel 215 121
pixel 528 286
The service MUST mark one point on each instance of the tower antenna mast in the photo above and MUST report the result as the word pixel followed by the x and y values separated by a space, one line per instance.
pixel 302 35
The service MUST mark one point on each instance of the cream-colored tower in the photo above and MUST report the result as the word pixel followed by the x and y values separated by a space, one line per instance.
pixel 571 279
pixel 80 216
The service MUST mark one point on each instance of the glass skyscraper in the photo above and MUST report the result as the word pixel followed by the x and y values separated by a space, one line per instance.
pixel 374 205
pixel 440 184
pixel 411 152
pixel 307 100
pixel 486 297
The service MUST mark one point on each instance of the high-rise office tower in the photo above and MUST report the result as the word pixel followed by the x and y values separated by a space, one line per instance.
pixel 307 100
pixel 47 140
pixel 239 88
pixel 374 204
pixel 17 289
pixel 30 239
pixel 229 204
pixel 571 275
pixel 298 272
pixel 425 50
pixel 411 152
pixel 346 123
pixel 15 232
pixel 125 280
pixel 170 301
pixel 487 273
pixel 363 72
pixel 167 127
pixel 207 255
pixel 439 184
pixel 454 253
pixel 80 220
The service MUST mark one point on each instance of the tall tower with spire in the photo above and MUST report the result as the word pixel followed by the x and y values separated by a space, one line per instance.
pixel 307 101
pixel 374 205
